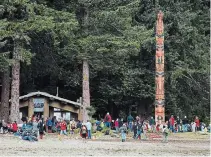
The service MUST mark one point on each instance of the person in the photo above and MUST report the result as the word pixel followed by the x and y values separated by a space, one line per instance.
pixel 193 125
pixel 107 120
pixel 165 133
pixel 152 124
pixel 144 128
pixel 24 125
pixel 14 127
pixel 130 122
pixel 89 128
pixel 63 126
pixel 35 126
pixel 83 131
pixel 197 123
pixel 120 122
pixel 123 131
pixel 171 123
pixel 102 124
pixel 40 126
pixel 49 125
pixel 9 127
pixel 139 130
pixel 116 124
pixel 184 124
pixel 4 126
pixel 134 129
pixel 78 125
pixel 178 124
pixel 72 126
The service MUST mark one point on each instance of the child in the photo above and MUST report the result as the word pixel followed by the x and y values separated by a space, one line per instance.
pixel 165 134
pixel 84 132
pixel 123 131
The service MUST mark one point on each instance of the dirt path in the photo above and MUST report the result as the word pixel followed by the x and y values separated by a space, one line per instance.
pixel 51 146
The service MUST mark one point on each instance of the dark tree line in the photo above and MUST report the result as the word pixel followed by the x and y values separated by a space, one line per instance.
pixel 51 38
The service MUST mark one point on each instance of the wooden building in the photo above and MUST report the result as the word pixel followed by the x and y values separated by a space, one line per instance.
pixel 41 103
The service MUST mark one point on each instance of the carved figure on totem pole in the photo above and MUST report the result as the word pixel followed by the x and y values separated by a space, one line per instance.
pixel 159 26
pixel 159 85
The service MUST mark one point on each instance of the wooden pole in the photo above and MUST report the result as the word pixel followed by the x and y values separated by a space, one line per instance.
pixel 86 92
pixel 159 79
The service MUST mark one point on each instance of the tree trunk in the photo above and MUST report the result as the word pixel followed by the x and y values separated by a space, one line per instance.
pixel 5 93
pixel 14 110
pixel 86 92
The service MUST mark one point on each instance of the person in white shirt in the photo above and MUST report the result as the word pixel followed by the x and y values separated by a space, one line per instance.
pixel 193 124
pixel 89 128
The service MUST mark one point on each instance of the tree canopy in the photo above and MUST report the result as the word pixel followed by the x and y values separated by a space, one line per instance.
pixel 118 39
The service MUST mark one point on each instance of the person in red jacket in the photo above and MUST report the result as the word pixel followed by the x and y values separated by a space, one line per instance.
pixel 14 127
pixel 116 125
pixel 197 123
pixel 107 120
pixel 171 120
pixel 63 126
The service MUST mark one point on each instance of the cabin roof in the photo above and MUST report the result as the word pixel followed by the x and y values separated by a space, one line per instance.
pixel 49 96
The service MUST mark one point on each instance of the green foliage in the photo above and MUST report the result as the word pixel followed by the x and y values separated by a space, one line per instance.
pixel 118 40
pixel 91 111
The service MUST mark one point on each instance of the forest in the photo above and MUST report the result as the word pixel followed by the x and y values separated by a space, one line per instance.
pixel 43 44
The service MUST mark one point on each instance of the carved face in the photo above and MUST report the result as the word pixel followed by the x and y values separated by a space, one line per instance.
pixel 159 110
pixel 160 15
pixel 160 40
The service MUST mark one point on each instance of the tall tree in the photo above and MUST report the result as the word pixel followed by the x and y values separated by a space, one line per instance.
pixel 19 18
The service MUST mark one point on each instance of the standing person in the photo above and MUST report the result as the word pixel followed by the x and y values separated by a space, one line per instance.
pixel 193 125
pixel 107 120
pixel 41 128
pixel 83 132
pixel 137 119
pixel 130 122
pixel 78 125
pixel 35 126
pixel 120 122
pixel 171 122
pixel 49 125
pixel 89 129
pixel 63 126
pixel 116 124
pixel 197 123
pixel 72 125
pixel 152 124
pixel 58 127
pixel 178 124
pixel 144 128
pixel 184 124
pixel 165 133
pixel 123 131
pixel 139 130
pixel 135 129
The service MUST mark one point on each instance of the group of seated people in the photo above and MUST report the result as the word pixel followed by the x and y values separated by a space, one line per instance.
pixel 8 127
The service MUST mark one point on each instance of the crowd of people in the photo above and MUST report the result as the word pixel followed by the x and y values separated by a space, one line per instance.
pixel 139 126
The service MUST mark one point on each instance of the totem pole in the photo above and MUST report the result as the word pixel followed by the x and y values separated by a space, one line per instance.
pixel 159 79
pixel 86 92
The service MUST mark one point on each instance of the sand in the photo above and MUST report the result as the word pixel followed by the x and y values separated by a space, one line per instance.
pixel 184 144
